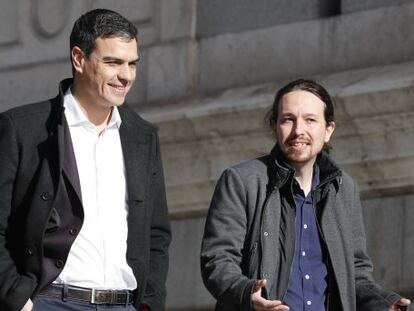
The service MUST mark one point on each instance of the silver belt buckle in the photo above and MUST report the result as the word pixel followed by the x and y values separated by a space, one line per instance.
pixel 93 296
pixel 108 296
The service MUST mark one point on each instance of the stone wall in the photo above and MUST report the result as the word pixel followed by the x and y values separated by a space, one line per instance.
pixel 208 74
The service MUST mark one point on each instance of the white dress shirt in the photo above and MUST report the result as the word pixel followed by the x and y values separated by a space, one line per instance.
pixel 97 258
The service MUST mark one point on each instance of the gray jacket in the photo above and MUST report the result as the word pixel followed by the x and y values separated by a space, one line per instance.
pixel 250 234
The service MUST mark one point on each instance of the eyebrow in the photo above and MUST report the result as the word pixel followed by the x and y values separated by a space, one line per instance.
pixel 290 114
pixel 118 60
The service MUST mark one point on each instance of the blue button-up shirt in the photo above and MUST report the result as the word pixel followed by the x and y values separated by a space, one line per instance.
pixel 308 280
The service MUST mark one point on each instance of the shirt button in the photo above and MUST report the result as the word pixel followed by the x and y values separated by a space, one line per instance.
pixel 266 233
pixel 305 226
pixel 73 231
pixel 59 263
pixel 308 302
pixel 307 276
pixel 303 253
pixel 45 196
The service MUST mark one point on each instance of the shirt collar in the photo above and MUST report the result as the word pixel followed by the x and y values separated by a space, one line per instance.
pixel 315 180
pixel 316 176
pixel 75 116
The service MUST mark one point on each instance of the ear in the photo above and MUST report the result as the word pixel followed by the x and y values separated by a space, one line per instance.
pixel 78 59
pixel 330 128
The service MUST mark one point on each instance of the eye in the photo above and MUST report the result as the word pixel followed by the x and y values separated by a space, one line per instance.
pixel 112 63
pixel 287 120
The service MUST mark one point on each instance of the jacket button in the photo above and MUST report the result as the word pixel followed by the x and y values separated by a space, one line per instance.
pixel 45 196
pixel 266 233
pixel 29 251
pixel 73 231
pixel 59 263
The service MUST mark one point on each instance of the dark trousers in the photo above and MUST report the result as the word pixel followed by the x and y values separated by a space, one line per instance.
pixel 44 303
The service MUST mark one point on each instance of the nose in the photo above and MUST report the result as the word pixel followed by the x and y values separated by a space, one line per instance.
pixel 126 73
pixel 299 127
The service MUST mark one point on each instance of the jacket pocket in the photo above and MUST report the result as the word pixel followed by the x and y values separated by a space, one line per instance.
pixel 53 222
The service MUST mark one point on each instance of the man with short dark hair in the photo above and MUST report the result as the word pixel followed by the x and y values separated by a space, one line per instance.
pixel 285 231
pixel 83 214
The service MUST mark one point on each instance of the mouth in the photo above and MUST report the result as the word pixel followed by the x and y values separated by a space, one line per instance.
pixel 119 88
pixel 297 145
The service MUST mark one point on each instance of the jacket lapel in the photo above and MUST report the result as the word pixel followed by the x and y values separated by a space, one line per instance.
pixel 66 155
pixel 135 147
pixel 70 168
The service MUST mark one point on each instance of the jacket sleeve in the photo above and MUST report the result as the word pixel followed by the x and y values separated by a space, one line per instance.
pixel 155 291
pixel 222 244
pixel 15 288
pixel 369 294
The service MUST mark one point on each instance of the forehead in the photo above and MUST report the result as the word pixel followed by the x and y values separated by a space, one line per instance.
pixel 300 101
pixel 116 46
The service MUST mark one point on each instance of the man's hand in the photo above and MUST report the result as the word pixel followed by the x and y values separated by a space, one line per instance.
pixel 261 304
pixel 403 302
pixel 28 306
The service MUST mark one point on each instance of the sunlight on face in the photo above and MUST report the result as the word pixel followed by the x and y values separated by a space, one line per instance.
pixel 301 127
pixel 106 76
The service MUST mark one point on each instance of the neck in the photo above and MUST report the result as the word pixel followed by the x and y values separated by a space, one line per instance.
pixel 96 114
pixel 304 175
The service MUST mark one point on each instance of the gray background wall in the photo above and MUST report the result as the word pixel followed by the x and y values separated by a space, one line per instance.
pixel 208 74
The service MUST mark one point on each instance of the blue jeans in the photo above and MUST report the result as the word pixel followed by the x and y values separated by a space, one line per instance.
pixel 45 303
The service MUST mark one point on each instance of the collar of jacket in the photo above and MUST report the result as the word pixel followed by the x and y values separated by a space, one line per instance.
pixel 57 108
pixel 282 172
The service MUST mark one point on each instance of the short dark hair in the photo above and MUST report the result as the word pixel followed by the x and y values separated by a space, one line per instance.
pixel 100 23
pixel 308 86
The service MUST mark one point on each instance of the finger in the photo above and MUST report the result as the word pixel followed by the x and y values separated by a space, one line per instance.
pixel 263 303
pixel 260 284
pixel 268 307
pixel 404 302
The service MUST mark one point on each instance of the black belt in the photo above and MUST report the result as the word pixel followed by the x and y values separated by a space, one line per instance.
pixel 95 296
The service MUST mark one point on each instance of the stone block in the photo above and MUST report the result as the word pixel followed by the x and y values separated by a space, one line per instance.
pixel 138 94
pixel 368 38
pixel 143 13
pixel 253 57
pixel 350 6
pixel 178 19
pixel 389 230
pixel 216 17
pixel 184 285
pixel 28 85
pixel 171 70
pixel 137 11
pixel 360 40
pixel 407 253
pixel 43 29
pixel 8 23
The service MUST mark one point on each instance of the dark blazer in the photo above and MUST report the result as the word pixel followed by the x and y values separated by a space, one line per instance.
pixel 40 202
